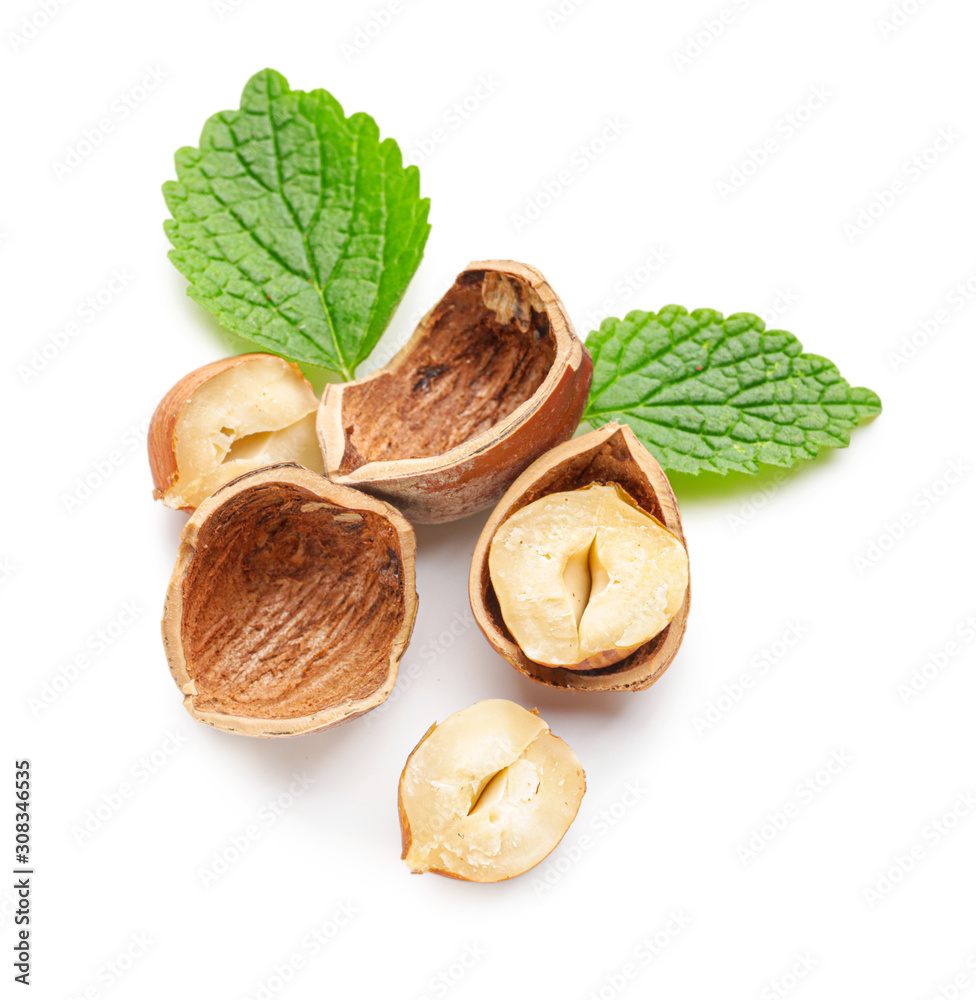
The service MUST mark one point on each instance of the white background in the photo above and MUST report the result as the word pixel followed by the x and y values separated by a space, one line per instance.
pixel 672 807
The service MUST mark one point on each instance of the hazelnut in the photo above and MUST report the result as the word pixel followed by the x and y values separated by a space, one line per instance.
pixel 228 418
pixel 611 457
pixel 487 794
pixel 291 604
pixel 493 377
pixel 584 577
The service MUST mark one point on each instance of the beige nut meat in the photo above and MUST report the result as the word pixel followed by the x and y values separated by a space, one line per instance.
pixel 610 458
pixel 228 418
pixel 487 794
pixel 584 577
pixel 493 376
pixel 291 604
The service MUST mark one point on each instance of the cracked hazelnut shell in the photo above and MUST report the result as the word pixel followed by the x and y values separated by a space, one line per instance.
pixel 611 454
pixel 493 377
pixel 291 604
pixel 229 418
pixel 585 577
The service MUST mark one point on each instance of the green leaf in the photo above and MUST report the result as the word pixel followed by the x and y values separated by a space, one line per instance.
pixel 295 226
pixel 705 392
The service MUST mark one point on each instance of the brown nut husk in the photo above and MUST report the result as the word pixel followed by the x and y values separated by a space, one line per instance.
pixel 229 418
pixel 487 794
pixel 493 377
pixel 610 455
pixel 291 604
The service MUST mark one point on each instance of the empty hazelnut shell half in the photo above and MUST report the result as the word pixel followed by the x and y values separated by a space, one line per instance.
pixel 493 377
pixel 291 604
pixel 228 418
pixel 611 454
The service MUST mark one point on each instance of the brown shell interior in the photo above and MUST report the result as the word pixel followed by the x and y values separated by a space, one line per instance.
pixel 486 347
pixel 610 462
pixel 290 604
